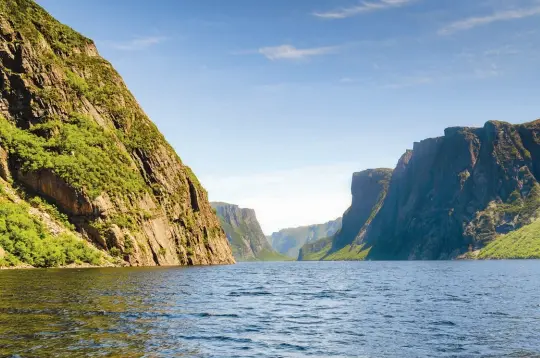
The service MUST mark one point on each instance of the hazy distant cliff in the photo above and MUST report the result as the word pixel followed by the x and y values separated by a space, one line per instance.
pixel 244 233
pixel 72 135
pixel 457 193
pixel 368 189
pixel 289 241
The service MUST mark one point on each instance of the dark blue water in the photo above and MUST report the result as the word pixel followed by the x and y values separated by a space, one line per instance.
pixel 293 309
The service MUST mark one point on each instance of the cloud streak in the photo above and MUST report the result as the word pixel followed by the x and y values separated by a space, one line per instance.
pixel 138 43
pixel 410 82
pixel 472 22
pixel 289 52
pixel 364 7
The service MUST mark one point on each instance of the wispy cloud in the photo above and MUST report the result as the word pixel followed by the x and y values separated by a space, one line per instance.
pixel 288 52
pixel 363 7
pixel 480 71
pixel 488 72
pixel 138 43
pixel 346 80
pixel 410 82
pixel 472 22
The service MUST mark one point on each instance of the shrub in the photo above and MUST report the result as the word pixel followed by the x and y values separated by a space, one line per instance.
pixel 26 240
pixel 79 151
pixel 52 210
pixel 77 83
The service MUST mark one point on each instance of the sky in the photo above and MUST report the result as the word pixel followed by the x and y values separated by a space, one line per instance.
pixel 275 103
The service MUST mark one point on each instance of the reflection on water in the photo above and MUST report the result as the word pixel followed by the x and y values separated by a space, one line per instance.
pixel 89 312
pixel 288 309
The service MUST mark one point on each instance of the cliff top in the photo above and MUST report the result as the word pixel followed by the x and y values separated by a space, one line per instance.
pixel 373 171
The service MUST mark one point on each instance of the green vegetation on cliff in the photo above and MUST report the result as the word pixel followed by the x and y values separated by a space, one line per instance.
pixel 85 74
pixel 80 152
pixel 271 255
pixel 24 239
pixel 525 207
pixel 520 244
pixel 349 253
pixel 32 22
pixel 74 137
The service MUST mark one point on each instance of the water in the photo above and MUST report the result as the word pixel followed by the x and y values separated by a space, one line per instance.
pixel 292 309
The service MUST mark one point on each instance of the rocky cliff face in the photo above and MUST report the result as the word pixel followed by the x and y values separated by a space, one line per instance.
pixel 452 194
pixel 289 241
pixel 459 191
pixel 244 233
pixel 368 189
pixel 72 133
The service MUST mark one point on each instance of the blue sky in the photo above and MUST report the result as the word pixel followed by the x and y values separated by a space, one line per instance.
pixel 274 103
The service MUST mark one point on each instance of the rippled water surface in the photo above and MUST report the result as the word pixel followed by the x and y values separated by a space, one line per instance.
pixel 293 309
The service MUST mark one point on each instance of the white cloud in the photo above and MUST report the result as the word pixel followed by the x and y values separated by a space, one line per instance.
pixel 288 52
pixel 288 198
pixel 138 43
pixel 365 6
pixel 472 22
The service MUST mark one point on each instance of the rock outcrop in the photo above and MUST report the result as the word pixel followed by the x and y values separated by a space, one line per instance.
pixel 72 133
pixel 244 233
pixel 289 241
pixel 456 193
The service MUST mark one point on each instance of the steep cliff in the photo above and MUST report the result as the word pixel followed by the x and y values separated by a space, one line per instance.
pixel 458 192
pixel 72 134
pixel 368 189
pixel 454 194
pixel 244 233
pixel 289 241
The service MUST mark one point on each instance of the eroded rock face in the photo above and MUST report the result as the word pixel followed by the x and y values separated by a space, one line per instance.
pixel 458 191
pixel 244 232
pixel 446 197
pixel 368 190
pixel 53 82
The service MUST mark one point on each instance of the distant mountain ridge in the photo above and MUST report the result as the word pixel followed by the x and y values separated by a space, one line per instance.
pixel 244 233
pixel 289 241
pixel 472 193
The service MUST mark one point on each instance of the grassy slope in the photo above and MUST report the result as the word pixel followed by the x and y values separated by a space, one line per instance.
pixel 266 255
pixel 520 244
pixel 349 253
